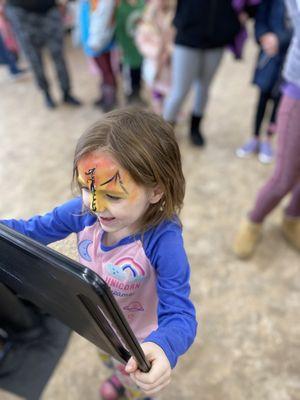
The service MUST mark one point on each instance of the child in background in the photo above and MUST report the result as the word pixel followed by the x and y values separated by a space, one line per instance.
pixel 128 15
pixel 128 169
pixel 273 33
pixel 286 175
pixel 154 39
pixel 95 29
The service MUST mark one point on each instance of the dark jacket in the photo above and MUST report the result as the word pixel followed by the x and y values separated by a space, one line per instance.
pixel 35 6
pixel 271 17
pixel 205 24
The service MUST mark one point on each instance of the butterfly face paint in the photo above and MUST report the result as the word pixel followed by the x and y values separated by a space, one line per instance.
pixel 104 180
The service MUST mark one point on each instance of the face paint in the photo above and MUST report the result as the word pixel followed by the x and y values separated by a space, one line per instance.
pixel 105 179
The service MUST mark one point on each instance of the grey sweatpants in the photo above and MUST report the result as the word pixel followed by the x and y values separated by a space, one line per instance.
pixel 36 31
pixel 191 67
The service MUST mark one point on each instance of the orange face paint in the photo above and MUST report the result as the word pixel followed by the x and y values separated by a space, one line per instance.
pixel 105 180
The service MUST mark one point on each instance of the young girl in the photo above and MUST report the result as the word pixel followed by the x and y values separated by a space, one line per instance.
pixel 154 38
pixel 273 33
pixel 128 169
pixel 128 15
pixel 286 175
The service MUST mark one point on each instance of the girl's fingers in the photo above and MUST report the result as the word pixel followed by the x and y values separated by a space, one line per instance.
pixel 147 382
pixel 148 390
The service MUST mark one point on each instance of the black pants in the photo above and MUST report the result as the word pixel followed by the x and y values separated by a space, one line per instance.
pixel 263 100
pixel 35 32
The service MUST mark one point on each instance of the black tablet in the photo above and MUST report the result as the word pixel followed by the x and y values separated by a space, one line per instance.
pixel 69 291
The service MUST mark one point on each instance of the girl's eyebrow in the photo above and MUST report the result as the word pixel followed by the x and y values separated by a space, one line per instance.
pixel 116 178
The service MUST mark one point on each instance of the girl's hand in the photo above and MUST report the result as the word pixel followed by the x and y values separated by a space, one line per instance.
pixel 243 17
pixel 270 44
pixel 159 375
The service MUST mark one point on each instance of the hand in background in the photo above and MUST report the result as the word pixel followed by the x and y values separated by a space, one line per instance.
pixel 160 374
pixel 270 44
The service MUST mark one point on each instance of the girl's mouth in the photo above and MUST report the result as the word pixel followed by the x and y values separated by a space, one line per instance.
pixel 106 219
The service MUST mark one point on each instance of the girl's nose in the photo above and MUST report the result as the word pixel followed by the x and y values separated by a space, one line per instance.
pixel 98 203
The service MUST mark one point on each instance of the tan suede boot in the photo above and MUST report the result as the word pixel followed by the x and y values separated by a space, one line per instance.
pixel 246 239
pixel 291 230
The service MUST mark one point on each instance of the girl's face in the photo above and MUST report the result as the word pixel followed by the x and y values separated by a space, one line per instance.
pixel 109 191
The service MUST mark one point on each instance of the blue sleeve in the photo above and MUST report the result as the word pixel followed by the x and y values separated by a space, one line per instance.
pixel 261 19
pixel 55 225
pixel 177 323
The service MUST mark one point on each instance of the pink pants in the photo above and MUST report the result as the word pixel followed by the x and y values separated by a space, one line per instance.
pixel 286 175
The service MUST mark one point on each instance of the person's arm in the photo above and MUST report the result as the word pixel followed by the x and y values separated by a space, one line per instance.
pixel 53 226
pixel 177 323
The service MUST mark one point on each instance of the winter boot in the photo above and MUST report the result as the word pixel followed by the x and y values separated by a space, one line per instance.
pixel 246 239
pixel 291 230
pixel 195 132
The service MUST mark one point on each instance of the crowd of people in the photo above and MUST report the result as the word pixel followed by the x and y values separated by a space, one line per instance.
pixel 159 50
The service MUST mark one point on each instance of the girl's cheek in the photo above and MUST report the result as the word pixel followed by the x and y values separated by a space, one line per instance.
pixel 86 198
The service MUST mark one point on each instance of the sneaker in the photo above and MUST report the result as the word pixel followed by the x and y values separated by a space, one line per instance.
pixel 250 147
pixel 50 103
pixel 71 100
pixel 266 154
pixel 19 74
pixel 247 239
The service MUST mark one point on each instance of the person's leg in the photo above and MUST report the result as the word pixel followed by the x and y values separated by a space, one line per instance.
pixel 266 153
pixel 252 145
pixel 209 63
pixel 283 180
pixel 135 80
pixel 291 220
pixel 27 27
pixel 185 69
pixel 272 124
pixel 53 35
pixel 108 87
pixel 8 59
pixel 261 106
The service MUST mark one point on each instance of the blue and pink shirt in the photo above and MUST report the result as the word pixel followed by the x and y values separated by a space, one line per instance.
pixel 148 274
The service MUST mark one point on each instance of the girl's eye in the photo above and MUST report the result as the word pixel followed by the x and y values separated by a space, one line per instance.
pixel 115 198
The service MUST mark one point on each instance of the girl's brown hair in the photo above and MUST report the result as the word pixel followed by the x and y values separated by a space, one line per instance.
pixel 144 145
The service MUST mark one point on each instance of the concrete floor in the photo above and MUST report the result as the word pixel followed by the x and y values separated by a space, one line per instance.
pixel 248 342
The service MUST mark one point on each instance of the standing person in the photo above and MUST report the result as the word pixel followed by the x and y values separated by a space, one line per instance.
pixel 95 28
pixel 273 34
pixel 154 39
pixel 204 28
pixel 128 15
pixel 286 175
pixel 38 24
pixel 128 169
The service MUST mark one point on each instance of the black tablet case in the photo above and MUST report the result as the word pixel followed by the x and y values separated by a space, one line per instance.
pixel 68 291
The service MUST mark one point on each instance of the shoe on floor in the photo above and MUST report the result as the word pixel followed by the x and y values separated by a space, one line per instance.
pixel 112 389
pixel 50 103
pixel 265 154
pixel 71 100
pixel 291 230
pixel 250 147
pixel 247 239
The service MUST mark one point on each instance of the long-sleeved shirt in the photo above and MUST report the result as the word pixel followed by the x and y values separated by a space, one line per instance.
pixel 148 274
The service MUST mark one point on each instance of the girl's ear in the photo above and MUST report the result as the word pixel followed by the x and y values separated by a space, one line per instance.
pixel 156 194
